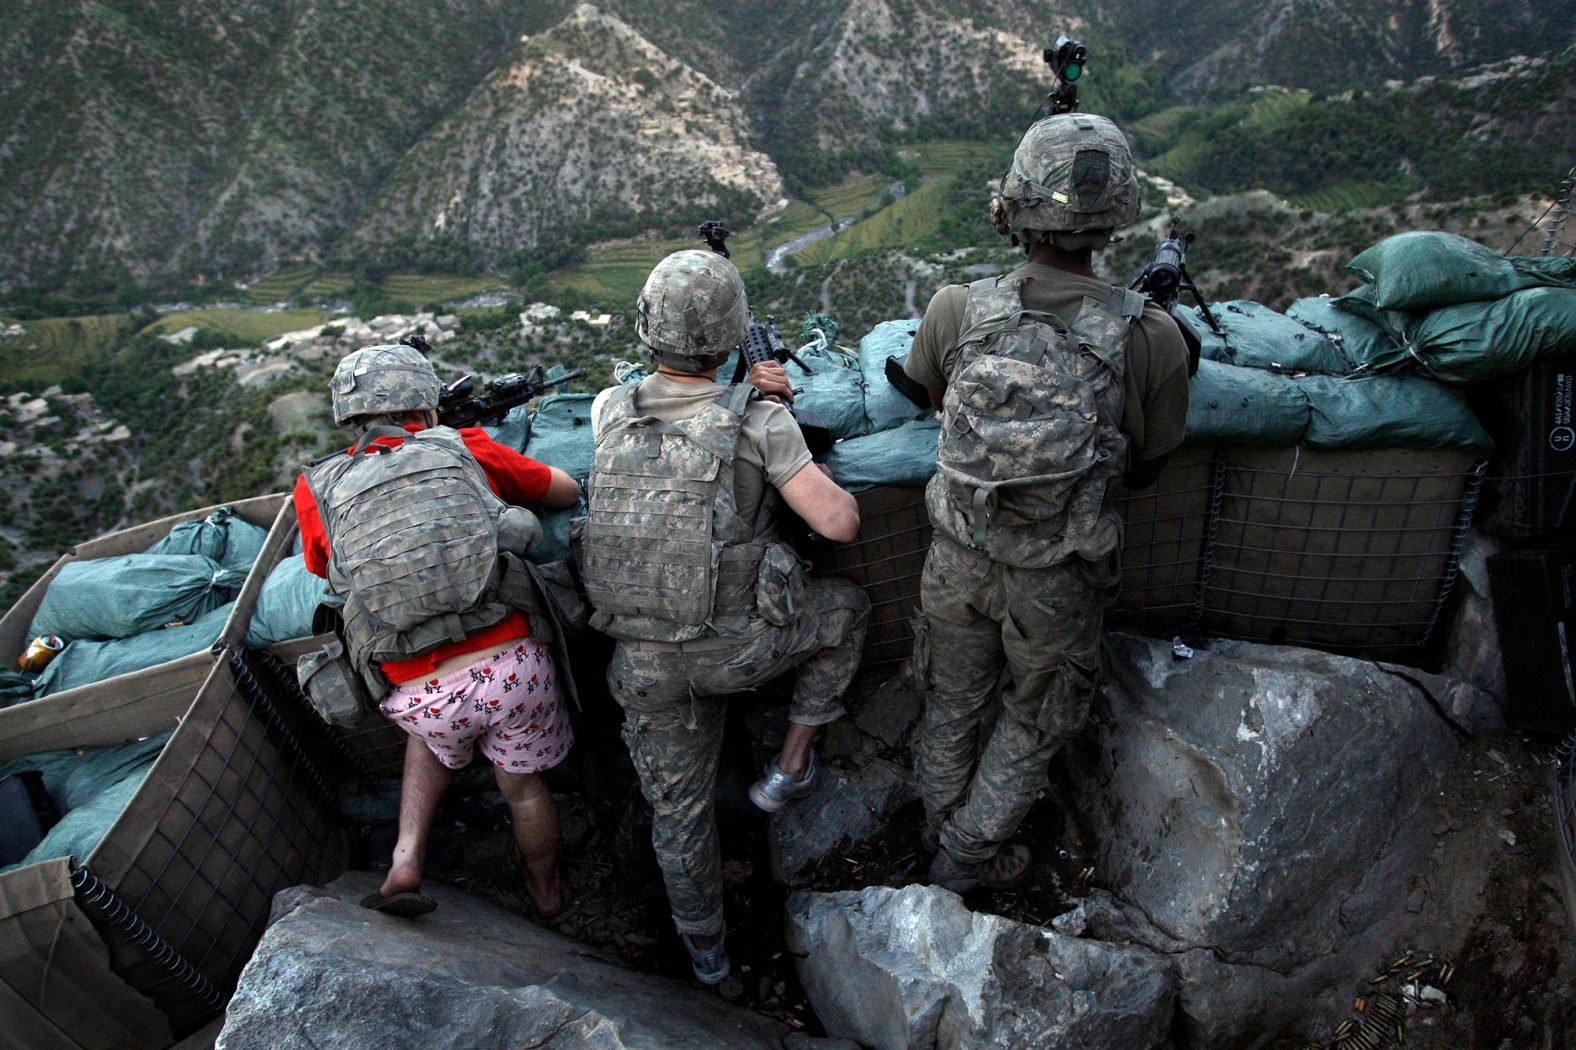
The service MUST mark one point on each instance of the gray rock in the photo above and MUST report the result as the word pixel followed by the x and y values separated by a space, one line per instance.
pixel 889 711
pixel 1473 652
pixel 331 975
pixel 1255 809
pixel 914 969
pixel 1470 709
pixel 847 805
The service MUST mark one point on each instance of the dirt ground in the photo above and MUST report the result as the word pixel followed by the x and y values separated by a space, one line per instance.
pixel 1488 893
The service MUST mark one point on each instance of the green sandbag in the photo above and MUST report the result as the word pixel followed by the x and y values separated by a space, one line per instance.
pixel 904 455
pixel 1244 406
pixel 16 687
pixel 1359 339
pixel 1389 412
pixel 1258 337
pixel 80 831
pixel 1424 269
pixel 1478 341
pixel 132 594
pixel 885 407
pixel 83 663
pixel 286 604
pixel 836 392
pixel 73 776
pixel 514 430
pixel 561 434
pixel 224 536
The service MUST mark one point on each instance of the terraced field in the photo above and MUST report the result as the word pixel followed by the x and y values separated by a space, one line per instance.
pixel 904 222
pixel 246 326
pixel 948 158
pixel 280 285
pixel 56 347
pixel 420 289
pixel 326 286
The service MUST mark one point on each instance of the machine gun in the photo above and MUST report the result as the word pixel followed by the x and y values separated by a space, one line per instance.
pixel 1164 279
pixel 763 342
pixel 1066 59
pixel 459 407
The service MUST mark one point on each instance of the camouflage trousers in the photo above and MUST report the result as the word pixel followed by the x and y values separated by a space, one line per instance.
pixel 1042 626
pixel 673 697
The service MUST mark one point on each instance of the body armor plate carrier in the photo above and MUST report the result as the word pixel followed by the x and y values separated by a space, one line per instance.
pixel 667 556
pixel 413 538
pixel 1030 441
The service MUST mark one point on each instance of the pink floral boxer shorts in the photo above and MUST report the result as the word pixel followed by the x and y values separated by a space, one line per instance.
pixel 508 702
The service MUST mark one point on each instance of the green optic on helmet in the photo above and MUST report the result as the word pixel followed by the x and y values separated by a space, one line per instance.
pixel 385 378
pixel 1072 172
pixel 692 311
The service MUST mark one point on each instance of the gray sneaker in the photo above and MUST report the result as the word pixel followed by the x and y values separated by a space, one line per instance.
pixel 776 789
pixel 710 965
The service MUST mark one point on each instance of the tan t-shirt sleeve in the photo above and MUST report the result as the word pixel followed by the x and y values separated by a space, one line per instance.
pixel 777 442
pixel 1156 415
pixel 934 352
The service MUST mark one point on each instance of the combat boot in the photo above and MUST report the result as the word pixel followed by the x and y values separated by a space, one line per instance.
pixel 1006 869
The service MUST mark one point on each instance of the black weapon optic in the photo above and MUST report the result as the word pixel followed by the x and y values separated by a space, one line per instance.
pixel 763 342
pixel 1066 59
pixel 1165 278
pixel 716 236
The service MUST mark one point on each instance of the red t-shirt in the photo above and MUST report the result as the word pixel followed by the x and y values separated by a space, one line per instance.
pixel 515 478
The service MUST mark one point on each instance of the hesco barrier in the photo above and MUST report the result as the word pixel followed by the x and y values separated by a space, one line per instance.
pixel 887 560
pixel 142 941
pixel 1354 551
pixel 14 638
pixel 376 745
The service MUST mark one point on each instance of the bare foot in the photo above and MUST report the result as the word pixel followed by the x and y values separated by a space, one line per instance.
pixel 403 877
pixel 547 894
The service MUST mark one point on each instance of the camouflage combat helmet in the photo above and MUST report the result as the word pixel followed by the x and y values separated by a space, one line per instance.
pixel 388 377
pixel 1072 172
pixel 692 311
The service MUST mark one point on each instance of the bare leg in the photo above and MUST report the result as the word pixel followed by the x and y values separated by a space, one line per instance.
pixel 421 789
pixel 535 816
pixel 795 754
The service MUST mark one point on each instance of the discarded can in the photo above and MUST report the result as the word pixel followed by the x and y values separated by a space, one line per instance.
pixel 37 655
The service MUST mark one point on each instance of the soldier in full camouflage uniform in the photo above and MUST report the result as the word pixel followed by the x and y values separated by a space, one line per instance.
pixel 685 568
pixel 1052 384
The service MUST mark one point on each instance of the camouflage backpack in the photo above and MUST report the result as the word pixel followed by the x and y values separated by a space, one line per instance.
pixel 1029 439
pixel 666 555
pixel 415 548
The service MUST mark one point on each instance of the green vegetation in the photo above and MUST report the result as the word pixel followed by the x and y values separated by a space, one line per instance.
pixel 280 285
pixel 56 347
pixel 427 288
pixel 246 326
pixel 911 220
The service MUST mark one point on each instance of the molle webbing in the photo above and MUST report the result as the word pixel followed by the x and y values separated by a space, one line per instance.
pixel 665 551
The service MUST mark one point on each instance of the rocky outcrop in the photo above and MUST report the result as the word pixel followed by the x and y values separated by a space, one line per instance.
pixel 914 969
pixel 331 975
pixel 585 123
pixel 848 805
pixel 1258 812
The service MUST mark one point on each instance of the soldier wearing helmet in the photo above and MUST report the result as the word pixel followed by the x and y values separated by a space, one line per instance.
pixel 686 569
pixel 1054 387
pixel 418 529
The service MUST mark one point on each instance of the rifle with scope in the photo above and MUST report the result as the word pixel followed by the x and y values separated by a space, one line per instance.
pixel 763 342
pixel 459 407
pixel 1164 279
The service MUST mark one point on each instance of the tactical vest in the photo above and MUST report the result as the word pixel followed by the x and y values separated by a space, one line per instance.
pixel 413 536
pixel 666 555
pixel 1030 438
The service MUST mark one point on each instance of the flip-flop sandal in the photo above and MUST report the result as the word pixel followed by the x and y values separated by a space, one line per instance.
pixel 402 905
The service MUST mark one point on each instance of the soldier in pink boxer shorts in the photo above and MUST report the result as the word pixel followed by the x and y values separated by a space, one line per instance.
pixel 414 528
